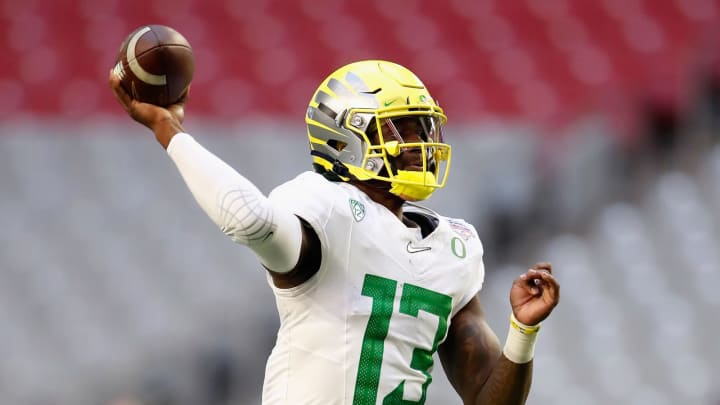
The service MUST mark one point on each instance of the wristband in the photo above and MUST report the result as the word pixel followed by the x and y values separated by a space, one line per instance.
pixel 520 343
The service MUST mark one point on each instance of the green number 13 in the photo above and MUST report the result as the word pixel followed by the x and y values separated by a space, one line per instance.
pixel 412 300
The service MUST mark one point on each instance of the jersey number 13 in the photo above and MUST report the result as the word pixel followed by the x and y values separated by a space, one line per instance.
pixel 412 300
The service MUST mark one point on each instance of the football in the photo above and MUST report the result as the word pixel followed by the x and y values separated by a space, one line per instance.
pixel 155 64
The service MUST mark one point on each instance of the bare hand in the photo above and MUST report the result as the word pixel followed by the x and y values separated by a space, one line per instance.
pixel 534 294
pixel 164 122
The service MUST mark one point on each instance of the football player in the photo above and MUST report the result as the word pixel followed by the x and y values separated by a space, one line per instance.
pixel 368 284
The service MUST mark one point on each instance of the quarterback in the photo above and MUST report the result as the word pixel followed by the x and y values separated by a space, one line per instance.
pixel 368 285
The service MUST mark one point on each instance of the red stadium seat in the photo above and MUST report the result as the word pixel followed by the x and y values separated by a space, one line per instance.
pixel 485 59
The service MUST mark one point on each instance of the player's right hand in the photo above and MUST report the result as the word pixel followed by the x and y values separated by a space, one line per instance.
pixel 164 122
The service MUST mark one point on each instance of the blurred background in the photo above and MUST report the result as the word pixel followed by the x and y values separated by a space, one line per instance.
pixel 585 133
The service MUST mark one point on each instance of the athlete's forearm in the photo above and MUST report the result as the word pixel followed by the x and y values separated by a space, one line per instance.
pixel 508 384
pixel 477 367
pixel 510 378
pixel 237 206
pixel 165 130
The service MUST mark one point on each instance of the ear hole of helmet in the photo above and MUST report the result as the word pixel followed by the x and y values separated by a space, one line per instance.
pixel 337 145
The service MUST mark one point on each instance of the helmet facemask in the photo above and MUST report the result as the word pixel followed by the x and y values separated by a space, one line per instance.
pixel 408 152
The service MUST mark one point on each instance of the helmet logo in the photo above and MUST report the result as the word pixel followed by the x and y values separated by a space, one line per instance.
pixel 423 99
pixel 390 102
pixel 358 210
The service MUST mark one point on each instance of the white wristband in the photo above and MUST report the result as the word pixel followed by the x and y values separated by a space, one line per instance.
pixel 520 343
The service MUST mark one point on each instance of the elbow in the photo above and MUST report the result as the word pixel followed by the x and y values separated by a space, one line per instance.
pixel 246 216
pixel 251 236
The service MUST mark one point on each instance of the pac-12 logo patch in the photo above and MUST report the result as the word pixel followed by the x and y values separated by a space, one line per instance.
pixel 358 210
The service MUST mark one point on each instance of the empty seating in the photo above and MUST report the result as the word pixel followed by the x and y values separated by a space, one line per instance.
pixel 524 60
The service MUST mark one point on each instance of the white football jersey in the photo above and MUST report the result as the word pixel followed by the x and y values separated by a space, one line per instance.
pixel 363 330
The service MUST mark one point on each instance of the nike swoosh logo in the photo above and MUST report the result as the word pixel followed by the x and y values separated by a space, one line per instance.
pixel 417 249
pixel 387 103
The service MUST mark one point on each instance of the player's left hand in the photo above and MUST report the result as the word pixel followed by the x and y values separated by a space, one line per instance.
pixel 534 294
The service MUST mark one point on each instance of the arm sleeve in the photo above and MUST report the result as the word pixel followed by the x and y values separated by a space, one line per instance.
pixel 236 206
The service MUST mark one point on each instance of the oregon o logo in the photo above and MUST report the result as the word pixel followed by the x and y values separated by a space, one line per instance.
pixel 458 247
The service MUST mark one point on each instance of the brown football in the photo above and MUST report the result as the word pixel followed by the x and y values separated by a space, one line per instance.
pixel 155 64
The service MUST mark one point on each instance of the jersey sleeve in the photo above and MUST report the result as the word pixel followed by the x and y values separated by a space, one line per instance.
pixel 309 196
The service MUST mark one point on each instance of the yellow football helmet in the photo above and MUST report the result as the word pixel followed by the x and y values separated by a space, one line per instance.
pixel 348 114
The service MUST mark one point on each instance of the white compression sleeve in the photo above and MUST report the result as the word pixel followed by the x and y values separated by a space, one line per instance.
pixel 237 206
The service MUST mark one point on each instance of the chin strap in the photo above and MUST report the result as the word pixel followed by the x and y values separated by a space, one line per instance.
pixel 425 185
pixel 425 182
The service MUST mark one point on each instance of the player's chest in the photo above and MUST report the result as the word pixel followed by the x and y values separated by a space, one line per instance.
pixel 393 250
